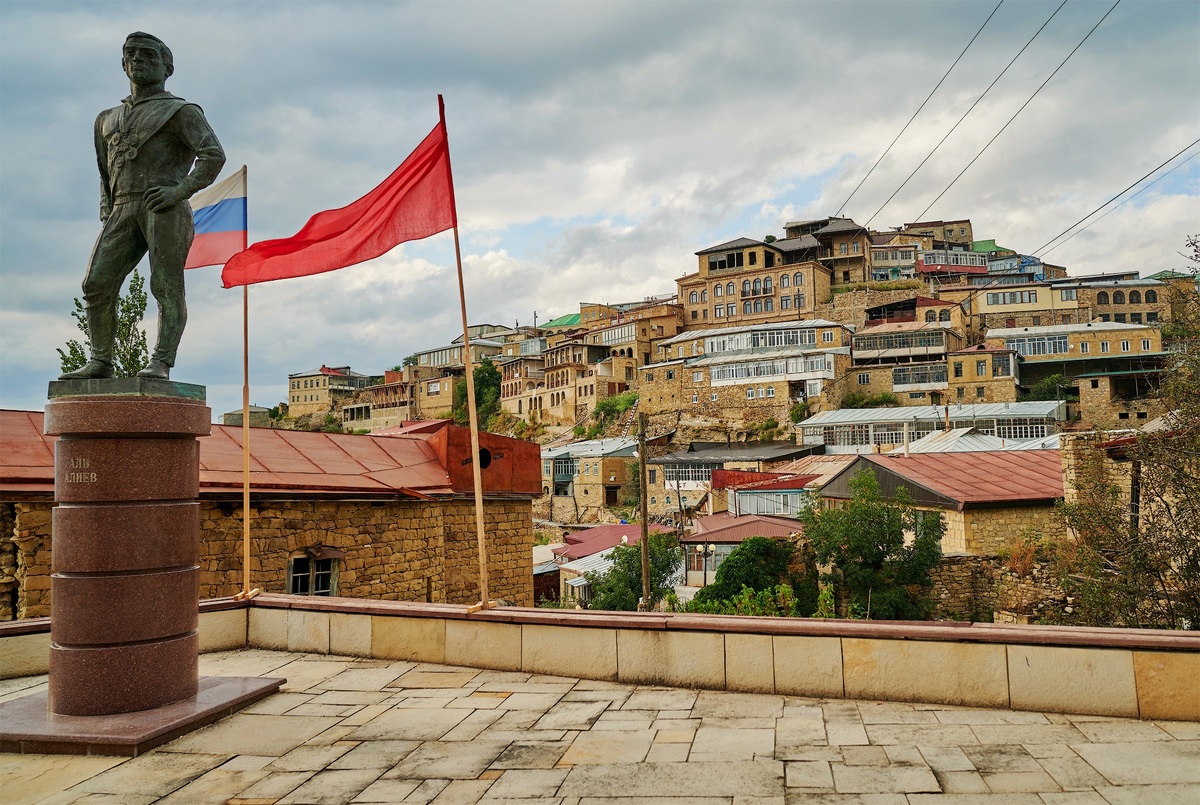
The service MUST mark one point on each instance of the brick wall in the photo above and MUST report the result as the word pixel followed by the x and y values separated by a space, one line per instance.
pixel 395 550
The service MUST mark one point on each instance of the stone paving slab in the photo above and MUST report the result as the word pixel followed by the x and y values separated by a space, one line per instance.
pixel 366 732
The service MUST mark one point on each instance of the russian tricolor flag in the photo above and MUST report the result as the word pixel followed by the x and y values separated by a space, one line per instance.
pixel 219 214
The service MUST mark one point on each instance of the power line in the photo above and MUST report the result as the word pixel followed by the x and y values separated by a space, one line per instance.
pixel 1118 195
pixel 919 108
pixel 1014 117
pixel 964 117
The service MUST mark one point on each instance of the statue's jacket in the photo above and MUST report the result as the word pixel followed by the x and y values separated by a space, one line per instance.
pixel 152 143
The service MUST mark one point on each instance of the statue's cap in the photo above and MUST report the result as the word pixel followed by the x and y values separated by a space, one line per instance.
pixel 144 35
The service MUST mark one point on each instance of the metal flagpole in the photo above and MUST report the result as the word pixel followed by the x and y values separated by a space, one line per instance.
pixel 472 414
pixel 246 591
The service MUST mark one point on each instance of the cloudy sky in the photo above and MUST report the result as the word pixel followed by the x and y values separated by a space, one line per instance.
pixel 596 146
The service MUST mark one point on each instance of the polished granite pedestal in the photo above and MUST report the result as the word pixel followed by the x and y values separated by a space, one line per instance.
pixel 28 727
pixel 124 610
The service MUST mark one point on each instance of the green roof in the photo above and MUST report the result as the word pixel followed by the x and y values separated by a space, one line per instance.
pixel 568 320
pixel 1129 372
pixel 987 246
pixel 1170 275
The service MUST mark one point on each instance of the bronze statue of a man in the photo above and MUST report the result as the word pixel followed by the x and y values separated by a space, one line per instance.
pixel 146 148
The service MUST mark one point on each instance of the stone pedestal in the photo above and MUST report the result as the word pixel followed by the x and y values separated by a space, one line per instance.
pixel 125 589
pixel 124 612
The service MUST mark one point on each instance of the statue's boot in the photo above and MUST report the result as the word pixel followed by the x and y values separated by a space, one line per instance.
pixel 92 369
pixel 157 369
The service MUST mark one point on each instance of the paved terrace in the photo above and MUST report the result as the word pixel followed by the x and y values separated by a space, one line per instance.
pixel 348 730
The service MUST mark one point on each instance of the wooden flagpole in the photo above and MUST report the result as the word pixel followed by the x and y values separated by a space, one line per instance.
pixel 246 591
pixel 472 415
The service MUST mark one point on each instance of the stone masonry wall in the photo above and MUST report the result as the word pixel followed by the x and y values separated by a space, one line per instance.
pixel 31 535
pixel 509 549
pixel 974 588
pixel 395 550
pixel 9 588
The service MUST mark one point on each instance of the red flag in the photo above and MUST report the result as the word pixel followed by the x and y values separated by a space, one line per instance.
pixel 415 202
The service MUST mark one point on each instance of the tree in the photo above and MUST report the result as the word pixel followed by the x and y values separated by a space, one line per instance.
pixel 864 542
pixel 1131 556
pixel 759 563
pixel 621 586
pixel 1052 387
pixel 411 360
pixel 130 353
pixel 487 395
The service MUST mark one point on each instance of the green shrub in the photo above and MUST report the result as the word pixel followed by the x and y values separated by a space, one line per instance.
pixel 758 563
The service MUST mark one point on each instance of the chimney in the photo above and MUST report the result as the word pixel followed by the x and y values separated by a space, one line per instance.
pixel 906 440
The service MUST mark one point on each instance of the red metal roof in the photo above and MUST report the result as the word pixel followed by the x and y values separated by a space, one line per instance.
pixel 722 479
pixel 990 477
pixel 726 528
pixel 601 538
pixel 301 462
pixel 783 481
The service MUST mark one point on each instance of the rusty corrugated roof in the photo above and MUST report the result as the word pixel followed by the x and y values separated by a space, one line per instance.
pixel 290 461
pixel 726 528
pixel 991 477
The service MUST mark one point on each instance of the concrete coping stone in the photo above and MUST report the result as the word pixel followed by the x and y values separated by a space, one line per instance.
pixel 1079 636
pixel 953 631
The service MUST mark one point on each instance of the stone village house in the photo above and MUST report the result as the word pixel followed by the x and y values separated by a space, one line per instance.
pixel 388 517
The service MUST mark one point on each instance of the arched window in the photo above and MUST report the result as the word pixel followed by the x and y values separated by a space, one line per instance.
pixel 1135 298
pixel 718 291
pixel 1151 297
pixel 746 306
pixel 1102 298
pixel 769 304
pixel 767 285
pixel 944 315
pixel 930 315
pixel 729 291
pixel 704 295
pixel 746 287
pixel 1118 297
pixel 798 280
pixel 785 281
pixel 761 393
pixel 693 297
pixel 758 306
pixel 757 286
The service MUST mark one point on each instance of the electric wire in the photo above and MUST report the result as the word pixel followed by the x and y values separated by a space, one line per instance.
pixel 919 108
pixel 1018 112
pixel 1118 195
pixel 964 117
pixel 1127 200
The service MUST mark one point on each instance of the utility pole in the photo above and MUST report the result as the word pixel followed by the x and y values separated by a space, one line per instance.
pixel 643 421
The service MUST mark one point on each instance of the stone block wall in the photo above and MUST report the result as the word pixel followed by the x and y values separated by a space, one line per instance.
pixel 986 531
pixel 395 550
pixel 8 562
pixel 34 557
pixel 967 587
pixel 509 532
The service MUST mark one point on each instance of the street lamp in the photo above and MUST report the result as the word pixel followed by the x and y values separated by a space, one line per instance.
pixel 705 552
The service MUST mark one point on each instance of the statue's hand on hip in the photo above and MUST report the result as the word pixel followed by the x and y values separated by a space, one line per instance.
pixel 161 198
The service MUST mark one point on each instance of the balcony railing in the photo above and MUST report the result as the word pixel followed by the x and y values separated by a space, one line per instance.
pixel 762 292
